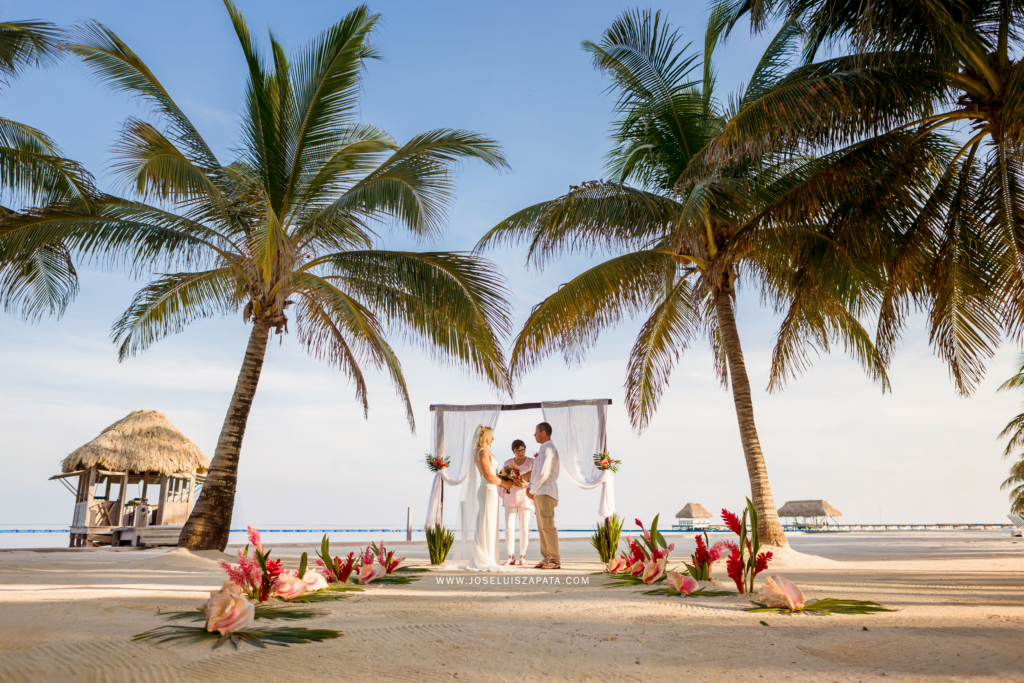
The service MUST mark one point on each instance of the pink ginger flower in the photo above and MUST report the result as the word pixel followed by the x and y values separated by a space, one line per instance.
pixel 715 552
pixel 234 573
pixel 254 538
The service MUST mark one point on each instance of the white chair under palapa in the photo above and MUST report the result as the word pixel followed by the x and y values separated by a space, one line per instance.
pixel 1018 526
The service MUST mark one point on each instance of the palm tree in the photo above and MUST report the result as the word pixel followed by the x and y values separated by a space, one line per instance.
pixel 1015 431
pixel 685 235
pixel 283 233
pixel 918 66
pixel 33 170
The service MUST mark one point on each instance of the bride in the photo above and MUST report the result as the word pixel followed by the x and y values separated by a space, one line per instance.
pixel 485 540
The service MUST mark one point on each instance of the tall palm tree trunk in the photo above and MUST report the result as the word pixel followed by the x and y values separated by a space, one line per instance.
pixel 769 529
pixel 208 525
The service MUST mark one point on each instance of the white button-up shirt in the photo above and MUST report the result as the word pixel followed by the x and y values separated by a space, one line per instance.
pixel 544 477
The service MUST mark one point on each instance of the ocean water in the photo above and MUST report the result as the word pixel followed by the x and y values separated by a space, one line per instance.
pixel 56 536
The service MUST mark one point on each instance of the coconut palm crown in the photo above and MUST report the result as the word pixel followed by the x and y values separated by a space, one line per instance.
pixel 683 235
pixel 873 67
pixel 1015 431
pixel 283 234
pixel 34 171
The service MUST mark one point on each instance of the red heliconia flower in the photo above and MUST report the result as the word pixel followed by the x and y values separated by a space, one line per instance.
pixel 731 521
pixel 734 568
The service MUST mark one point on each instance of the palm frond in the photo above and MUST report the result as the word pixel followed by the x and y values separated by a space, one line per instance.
pixel 571 319
pixel 111 60
pixel 170 303
pixel 453 304
pixel 662 339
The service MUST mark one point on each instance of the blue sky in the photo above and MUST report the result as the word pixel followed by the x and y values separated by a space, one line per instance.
pixel 513 71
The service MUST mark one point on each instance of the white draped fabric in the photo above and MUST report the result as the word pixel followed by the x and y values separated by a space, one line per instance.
pixel 578 432
pixel 454 431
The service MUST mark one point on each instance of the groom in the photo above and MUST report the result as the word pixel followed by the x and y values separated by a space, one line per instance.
pixel 543 492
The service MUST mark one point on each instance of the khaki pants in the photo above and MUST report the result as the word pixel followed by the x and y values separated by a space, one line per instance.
pixel 546 528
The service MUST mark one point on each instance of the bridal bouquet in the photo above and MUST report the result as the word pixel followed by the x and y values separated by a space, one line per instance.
pixel 512 475
pixel 604 461
pixel 436 464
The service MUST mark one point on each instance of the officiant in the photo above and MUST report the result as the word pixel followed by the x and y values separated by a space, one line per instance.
pixel 517 505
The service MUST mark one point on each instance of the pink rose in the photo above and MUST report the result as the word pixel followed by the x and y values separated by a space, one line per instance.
pixel 616 565
pixel 681 584
pixel 370 572
pixel 779 592
pixel 654 570
pixel 227 610
pixel 314 580
pixel 288 586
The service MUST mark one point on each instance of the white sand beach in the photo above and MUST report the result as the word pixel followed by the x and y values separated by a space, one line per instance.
pixel 959 596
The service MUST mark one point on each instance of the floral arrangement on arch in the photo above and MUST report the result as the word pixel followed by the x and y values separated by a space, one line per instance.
pixel 604 461
pixel 437 463
pixel 645 560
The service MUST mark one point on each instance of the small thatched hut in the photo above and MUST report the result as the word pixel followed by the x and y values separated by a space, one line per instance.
pixel 143 448
pixel 811 512
pixel 692 516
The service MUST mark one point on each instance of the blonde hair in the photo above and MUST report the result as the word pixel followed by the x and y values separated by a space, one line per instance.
pixel 482 433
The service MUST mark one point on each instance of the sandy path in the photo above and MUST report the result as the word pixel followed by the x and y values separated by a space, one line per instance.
pixel 69 616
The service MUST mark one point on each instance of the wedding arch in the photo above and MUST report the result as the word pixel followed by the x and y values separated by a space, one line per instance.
pixel 579 430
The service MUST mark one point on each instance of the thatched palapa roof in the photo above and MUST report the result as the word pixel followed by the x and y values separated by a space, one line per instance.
pixel 808 508
pixel 693 511
pixel 144 441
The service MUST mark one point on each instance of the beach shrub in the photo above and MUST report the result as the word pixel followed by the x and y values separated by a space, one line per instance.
pixel 439 542
pixel 606 538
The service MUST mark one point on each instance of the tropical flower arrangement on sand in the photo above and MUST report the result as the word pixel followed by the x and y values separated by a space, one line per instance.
pixel 374 565
pixel 436 464
pixel 254 581
pixel 645 560
pixel 746 560
pixel 705 555
pixel 604 461
pixel 782 596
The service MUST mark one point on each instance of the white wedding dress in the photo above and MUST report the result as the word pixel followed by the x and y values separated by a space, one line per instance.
pixel 485 541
